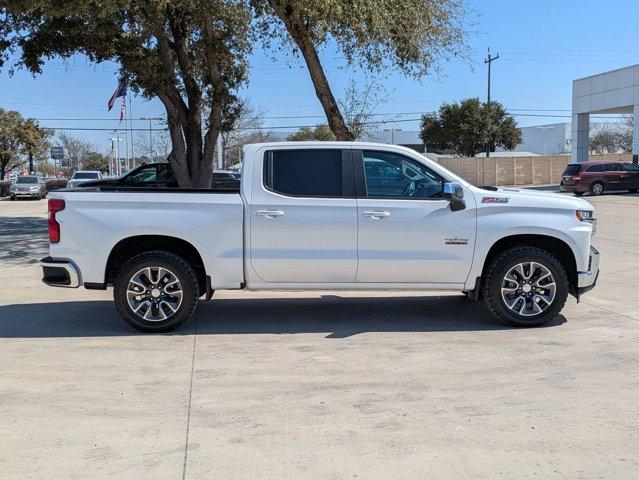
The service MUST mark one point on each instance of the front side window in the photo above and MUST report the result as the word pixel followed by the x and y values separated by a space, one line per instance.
pixel 389 175
pixel 304 173
pixel 144 177
pixel 631 167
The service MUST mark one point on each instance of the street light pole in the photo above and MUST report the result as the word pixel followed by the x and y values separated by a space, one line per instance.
pixel 150 119
pixel 489 60
pixel 116 139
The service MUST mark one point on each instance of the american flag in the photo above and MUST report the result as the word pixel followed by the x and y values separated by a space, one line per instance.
pixel 123 108
pixel 119 92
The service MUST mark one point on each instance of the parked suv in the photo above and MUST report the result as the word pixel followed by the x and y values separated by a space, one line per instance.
pixel 28 186
pixel 597 177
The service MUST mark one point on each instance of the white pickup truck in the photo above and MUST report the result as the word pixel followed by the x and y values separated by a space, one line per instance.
pixel 319 216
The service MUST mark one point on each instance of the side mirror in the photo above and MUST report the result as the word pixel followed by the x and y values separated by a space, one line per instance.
pixel 454 193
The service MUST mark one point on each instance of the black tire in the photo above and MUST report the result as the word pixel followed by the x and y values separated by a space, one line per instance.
pixel 596 188
pixel 12 198
pixel 177 266
pixel 498 269
pixel 578 194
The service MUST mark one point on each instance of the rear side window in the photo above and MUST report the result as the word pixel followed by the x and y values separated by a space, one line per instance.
pixel 612 167
pixel 594 168
pixel 304 173
pixel 572 169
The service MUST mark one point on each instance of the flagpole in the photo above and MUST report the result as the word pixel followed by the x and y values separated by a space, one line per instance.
pixel 126 141
pixel 131 126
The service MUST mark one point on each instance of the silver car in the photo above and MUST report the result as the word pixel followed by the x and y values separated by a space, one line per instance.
pixel 28 186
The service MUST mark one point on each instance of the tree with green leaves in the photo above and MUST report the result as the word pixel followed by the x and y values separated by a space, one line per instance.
pixel 190 54
pixel 19 139
pixel 411 36
pixel 470 127
pixel 96 161
pixel 322 133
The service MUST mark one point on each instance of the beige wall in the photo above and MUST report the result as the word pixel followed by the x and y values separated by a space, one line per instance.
pixel 541 170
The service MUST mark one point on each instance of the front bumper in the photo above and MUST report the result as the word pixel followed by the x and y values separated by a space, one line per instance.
pixel 59 273
pixel 25 194
pixel 586 281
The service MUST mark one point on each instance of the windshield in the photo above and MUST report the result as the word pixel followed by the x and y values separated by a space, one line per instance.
pixel 92 175
pixel 27 180
pixel 572 169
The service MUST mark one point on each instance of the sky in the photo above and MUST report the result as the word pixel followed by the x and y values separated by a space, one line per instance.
pixel 543 46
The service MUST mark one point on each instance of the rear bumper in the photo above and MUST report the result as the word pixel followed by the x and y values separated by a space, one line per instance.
pixel 59 273
pixel 586 281
pixel 573 188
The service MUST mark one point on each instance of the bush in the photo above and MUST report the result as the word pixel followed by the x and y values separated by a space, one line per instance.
pixel 4 188
pixel 56 184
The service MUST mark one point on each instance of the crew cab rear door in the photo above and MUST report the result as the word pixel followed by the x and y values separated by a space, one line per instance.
pixel 303 216
pixel 408 233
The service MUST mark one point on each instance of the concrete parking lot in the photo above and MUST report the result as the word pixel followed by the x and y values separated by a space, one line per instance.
pixel 318 385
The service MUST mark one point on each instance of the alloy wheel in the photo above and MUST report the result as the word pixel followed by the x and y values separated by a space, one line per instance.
pixel 528 289
pixel 154 294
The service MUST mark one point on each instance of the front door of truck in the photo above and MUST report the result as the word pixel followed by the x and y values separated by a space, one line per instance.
pixel 303 216
pixel 408 233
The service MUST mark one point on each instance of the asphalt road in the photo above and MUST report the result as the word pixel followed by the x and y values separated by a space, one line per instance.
pixel 318 385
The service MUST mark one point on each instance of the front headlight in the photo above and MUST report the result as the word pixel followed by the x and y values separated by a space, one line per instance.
pixel 588 217
pixel 585 215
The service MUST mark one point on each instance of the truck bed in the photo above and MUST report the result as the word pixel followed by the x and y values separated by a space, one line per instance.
pixel 95 220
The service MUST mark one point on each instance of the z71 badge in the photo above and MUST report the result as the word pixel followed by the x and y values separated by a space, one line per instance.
pixel 495 199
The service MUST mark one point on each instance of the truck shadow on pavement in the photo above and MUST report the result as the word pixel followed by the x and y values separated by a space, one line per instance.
pixel 339 317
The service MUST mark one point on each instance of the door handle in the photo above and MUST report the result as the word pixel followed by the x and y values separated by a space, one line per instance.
pixel 270 213
pixel 377 214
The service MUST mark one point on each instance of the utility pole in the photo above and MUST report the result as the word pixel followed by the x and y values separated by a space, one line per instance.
pixel 489 60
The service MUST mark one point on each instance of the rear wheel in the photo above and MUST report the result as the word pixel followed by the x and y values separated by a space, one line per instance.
pixel 156 291
pixel 597 188
pixel 526 286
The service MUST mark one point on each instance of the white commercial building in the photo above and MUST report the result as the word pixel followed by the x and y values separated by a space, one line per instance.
pixel 614 92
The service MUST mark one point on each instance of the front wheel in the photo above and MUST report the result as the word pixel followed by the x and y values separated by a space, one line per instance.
pixel 525 286
pixel 156 291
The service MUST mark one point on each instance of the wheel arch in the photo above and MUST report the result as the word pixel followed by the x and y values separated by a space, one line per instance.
pixel 129 247
pixel 553 245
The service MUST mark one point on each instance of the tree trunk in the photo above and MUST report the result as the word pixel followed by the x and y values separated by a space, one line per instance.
pixel 298 30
